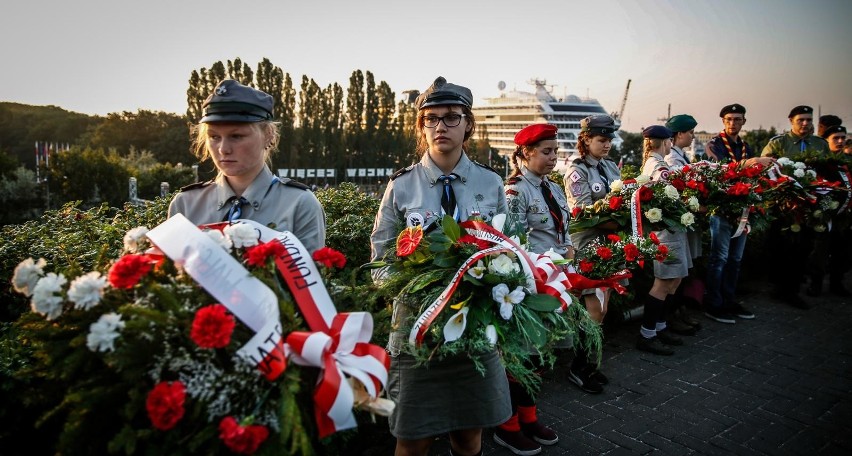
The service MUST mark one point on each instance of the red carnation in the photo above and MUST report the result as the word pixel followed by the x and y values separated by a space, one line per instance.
pixel 615 202
pixel 329 258
pixel 479 243
pixel 645 194
pixel 631 252
pixel 212 327
pixel 662 252
pixel 241 439
pixel 128 270
pixel 604 252
pixel 654 238
pixel 165 404
pixel 576 211
pixel 256 255
pixel 586 266
pixel 679 184
pixel 739 189
pixel 613 237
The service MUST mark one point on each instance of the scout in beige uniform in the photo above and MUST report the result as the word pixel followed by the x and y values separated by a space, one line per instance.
pixel 238 134
pixel 450 395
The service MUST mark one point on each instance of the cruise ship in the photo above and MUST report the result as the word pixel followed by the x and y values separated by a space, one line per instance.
pixel 501 117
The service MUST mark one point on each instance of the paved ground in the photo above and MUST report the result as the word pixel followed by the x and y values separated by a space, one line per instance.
pixel 778 384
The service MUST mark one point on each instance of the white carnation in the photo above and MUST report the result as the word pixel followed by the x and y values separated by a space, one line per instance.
pixel 799 172
pixel 102 333
pixel 654 215
pixel 799 165
pixel 784 161
pixel 671 192
pixel 45 301
pixel 242 235
pixel 27 273
pixel 133 238
pixel 220 239
pixel 502 265
pixel 811 173
pixel 86 291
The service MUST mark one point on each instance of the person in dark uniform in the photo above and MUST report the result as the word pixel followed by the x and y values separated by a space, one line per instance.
pixel 450 395
pixel 237 132
pixel 726 252
pixel 587 180
pixel 790 263
pixel 540 206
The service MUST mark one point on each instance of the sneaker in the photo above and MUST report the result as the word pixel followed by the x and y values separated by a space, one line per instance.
pixel 653 345
pixel 516 442
pixel 540 433
pixel 599 377
pixel 740 312
pixel 679 327
pixel 583 379
pixel 668 338
pixel 719 315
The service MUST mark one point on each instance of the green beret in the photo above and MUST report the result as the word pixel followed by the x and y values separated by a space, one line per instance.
pixel 681 123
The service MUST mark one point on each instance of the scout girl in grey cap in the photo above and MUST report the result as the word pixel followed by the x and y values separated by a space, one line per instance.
pixel 237 132
pixel 449 395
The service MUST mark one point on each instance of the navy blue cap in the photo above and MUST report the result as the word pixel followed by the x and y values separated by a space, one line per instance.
pixel 800 110
pixel 442 92
pixel 234 102
pixel 658 132
pixel 599 125
pixel 833 130
pixel 735 108
pixel 681 123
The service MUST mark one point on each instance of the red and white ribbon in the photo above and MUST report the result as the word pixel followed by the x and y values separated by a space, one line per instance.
pixel 343 350
pixel 636 213
pixel 742 226
pixel 554 281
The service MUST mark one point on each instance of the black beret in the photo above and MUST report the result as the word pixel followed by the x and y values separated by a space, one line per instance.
pixel 658 132
pixel 599 125
pixel 681 123
pixel 735 108
pixel 800 110
pixel 828 120
pixel 442 92
pixel 535 133
pixel 234 102
pixel 828 131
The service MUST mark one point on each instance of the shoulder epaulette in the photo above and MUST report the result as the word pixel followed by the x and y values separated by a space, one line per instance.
pixel 609 159
pixel 195 186
pixel 513 180
pixel 577 160
pixel 486 167
pixel 401 172
pixel 296 184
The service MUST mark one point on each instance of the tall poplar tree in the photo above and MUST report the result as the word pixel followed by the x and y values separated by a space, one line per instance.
pixel 354 117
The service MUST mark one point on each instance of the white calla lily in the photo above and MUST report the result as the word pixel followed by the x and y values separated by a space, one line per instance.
pixel 498 221
pixel 456 325
pixel 491 334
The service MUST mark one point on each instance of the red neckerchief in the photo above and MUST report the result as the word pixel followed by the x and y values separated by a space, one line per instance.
pixel 727 144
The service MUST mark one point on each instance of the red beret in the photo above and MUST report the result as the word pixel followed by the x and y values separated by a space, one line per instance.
pixel 535 133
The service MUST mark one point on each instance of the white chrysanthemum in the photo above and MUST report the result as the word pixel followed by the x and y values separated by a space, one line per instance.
pixel 811 173
pixel 819 228
pixel 478 270
pixel 616 186
pixel 671 192
pixel 784 161
pixel 799 165
pixel 456 325
pixel 654 214
pixel 795 228
pixel 693 204
pixel 491 334
pixel 643 179
pixel 220 239
pixel 502 265
pixel 687 219
pixel 242 235
pixel 799 172
pixel 134 238
pixel 45 301
pixel 507 299
pixel 833 204
pixel 86 291
pixel 26 276
pixel 102 333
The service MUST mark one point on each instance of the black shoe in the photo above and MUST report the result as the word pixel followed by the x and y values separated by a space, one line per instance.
pixel 740 312
pixel 668 338
pixel 516 442
pixel 653 345
pixel 679 327
pixel 583 379
pixel 797 302
pixel 539 432
pixel 719 315
pixel 686 318
pixel 599 377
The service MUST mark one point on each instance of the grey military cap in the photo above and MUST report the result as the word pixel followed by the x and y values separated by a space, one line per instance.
pixel 442 92
pixel 234 102
pixel 599 125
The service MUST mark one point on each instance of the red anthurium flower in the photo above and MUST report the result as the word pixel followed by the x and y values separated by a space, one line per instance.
pixel 165 404
pixel 408 240
pixel 212 327
pixel 241 439
pixel 654 238
pixel 576 211
pixel 128 270
pixel 329 257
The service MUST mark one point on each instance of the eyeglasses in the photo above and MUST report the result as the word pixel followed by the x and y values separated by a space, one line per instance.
pixel 733 119
pixel 450 120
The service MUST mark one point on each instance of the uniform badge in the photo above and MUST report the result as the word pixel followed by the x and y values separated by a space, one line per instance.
pixel 479 197
pixel 575 176
pixel 664 174
pixel 597 187
pixel 534 208
pixel 414 219
pixel 576 188
pixel 221 90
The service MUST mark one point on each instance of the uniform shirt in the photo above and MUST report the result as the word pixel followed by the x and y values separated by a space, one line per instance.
pixel 716 150
pixel 277 203
pixel 413 197
pixel 524 198
pixel 790 144
pixel 584 184
pixel 676 159
pixel 656 168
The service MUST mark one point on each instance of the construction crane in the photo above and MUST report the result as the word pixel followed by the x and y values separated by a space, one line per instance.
pixel 617 115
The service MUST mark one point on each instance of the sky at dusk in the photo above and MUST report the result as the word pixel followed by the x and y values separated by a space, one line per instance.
pixel 97 56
